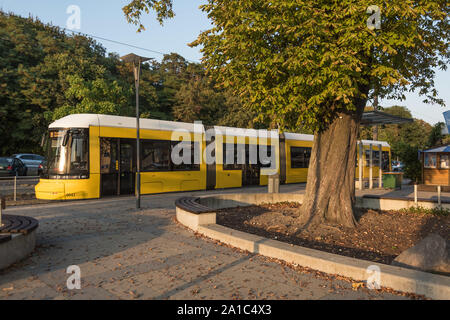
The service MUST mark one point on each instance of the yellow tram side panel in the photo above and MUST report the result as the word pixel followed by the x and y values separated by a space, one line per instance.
pixel 375 167
pixel 225 178
pixel 295 175
pixel 166 181
pixel 233 178
pixel 71 189
pixel 264 178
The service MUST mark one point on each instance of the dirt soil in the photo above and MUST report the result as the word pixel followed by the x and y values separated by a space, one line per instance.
pixel 380 235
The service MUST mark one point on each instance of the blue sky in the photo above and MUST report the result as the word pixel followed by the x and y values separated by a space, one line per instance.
pixel 104 18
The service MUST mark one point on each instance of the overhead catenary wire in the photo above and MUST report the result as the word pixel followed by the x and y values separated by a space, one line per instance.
pixel 121 43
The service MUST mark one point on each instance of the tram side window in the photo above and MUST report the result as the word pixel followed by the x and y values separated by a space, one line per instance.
pixel 367 156
pixel 155 155
pixel 375 158
pixel 270 153
pixel 191 165
pixel 230 151
pixel 246 154
pixel 300 157
pixel 385 161
pixel 108 159
pixel 79 154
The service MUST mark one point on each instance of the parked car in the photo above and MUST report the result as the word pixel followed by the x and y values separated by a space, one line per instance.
pixel 29 158
pixel 397 166
pixel 12 167
pixel 31 161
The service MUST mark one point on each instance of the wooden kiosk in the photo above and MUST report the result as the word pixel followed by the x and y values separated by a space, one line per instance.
pixel 436 167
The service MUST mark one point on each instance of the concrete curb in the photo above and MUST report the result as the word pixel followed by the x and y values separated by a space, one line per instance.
pixel 398 278
pixel 14 250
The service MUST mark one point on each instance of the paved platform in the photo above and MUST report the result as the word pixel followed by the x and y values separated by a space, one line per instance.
pixel 128 254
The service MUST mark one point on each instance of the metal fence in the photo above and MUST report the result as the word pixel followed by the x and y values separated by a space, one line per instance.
pixel 18 187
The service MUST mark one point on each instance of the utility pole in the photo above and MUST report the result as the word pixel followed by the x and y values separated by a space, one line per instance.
pixel 136 61
pixel 375 127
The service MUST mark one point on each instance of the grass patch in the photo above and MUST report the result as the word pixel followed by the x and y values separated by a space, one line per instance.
pixel 421 210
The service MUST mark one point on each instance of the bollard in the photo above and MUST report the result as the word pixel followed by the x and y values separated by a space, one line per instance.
pixel 2 206
pixel 380 170
pixel 361 171
pixel 439 195
pixel 273 185
pixel 370 167
pixel 15 187
pixel 415 194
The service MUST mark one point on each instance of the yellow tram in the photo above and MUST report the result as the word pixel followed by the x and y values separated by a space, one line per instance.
pixel 93 155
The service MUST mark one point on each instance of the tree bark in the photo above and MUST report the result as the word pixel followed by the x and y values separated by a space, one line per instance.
pixel 330 188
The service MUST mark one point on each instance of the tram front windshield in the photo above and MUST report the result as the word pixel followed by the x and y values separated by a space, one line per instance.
pixel 68 153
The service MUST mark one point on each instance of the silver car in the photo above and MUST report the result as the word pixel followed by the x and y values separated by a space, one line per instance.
pixel 31 161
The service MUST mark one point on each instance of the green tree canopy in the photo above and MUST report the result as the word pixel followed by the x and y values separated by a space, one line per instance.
pixel 44 74
pixel 314 65
pixel 306 61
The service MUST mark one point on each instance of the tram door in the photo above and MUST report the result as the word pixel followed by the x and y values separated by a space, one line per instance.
pixel 127 166
pixel 252 168
pixel 211 171
pixel 117 166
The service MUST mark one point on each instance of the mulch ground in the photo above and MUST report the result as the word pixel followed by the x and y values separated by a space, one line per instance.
pixel 380 236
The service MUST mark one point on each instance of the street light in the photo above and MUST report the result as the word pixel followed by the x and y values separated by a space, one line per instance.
pixel 136 61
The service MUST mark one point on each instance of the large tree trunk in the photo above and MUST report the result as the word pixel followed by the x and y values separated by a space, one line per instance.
pixel 330 188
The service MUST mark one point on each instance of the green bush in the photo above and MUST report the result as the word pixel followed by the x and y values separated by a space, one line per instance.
pixel 409 155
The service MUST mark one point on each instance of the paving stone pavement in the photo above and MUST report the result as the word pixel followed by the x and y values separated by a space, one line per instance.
pixel 124 253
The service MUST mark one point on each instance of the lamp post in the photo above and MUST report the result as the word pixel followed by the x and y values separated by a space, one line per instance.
pixel 136 61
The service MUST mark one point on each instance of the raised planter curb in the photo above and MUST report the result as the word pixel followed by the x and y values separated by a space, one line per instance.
pixel 398 278
pixel 19 247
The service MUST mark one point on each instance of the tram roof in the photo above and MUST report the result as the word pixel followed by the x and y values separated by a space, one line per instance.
pixel 298 136
pixel 310 137
pixel 242 132
pixel 376 117
pixel 86 120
